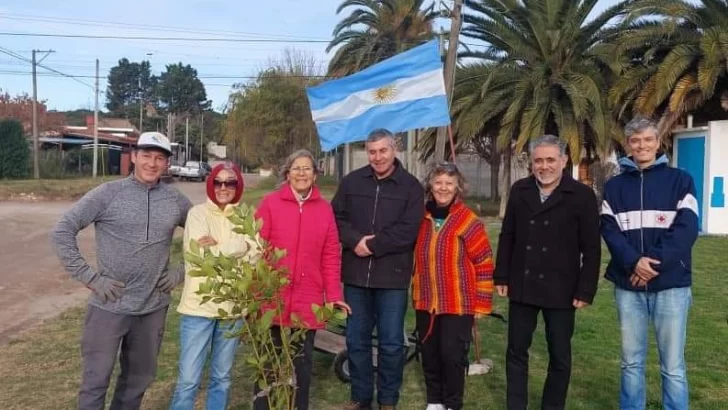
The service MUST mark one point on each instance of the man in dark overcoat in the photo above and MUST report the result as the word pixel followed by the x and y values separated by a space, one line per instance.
pixel 548 261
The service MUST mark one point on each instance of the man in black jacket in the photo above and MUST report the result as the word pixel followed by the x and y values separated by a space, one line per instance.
pixel 378 210
pixel 548 261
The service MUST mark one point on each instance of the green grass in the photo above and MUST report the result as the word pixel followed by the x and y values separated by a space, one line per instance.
pixel 41 370
pixel 484 207
pixel 72 188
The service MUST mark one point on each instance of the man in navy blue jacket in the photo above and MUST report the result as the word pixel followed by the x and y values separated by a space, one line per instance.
pixel 650 224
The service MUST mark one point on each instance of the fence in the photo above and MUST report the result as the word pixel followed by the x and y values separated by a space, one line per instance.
pixel 56 164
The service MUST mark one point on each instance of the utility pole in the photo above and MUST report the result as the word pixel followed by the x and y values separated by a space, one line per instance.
pixel 96 120
pixel 187 139
pixel 202 134
pixel 450 63
pixel 141 105
pixel 36 167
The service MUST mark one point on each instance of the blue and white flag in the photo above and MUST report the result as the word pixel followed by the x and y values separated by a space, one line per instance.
pixel 401 93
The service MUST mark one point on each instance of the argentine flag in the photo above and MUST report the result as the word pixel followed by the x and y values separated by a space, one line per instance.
pixel 401 93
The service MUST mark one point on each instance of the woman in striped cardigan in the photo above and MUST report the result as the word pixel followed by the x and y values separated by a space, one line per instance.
pixel 453 285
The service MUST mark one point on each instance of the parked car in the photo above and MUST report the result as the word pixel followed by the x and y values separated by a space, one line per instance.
pixel 174 170
pixel 194 170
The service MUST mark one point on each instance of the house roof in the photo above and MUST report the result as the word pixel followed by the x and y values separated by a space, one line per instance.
pixel 66 134
pixel 115 123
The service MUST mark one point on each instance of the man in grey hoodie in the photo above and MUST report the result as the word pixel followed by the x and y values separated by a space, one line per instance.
pixel 135 219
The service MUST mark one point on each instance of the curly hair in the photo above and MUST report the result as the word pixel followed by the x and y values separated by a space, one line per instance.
pixel 444 168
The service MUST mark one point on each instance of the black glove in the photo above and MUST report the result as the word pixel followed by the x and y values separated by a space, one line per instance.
pixel 170 279
pixel 106 289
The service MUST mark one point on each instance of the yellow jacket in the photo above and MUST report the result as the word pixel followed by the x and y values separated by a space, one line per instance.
pixel 209 220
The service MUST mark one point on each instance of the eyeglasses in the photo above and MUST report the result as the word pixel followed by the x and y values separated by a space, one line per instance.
pixel 301 170
pixel 230 184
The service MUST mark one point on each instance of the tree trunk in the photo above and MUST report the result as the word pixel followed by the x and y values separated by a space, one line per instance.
pixel 506 179
pixel 494 176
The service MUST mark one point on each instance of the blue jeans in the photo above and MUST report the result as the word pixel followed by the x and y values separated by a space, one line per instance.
pixel 384 308
pixel 667 310
pixel 200 336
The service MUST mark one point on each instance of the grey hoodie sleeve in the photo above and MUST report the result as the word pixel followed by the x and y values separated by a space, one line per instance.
pixel 86 211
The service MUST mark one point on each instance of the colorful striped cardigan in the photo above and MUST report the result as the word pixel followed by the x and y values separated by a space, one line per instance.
pixel 453 265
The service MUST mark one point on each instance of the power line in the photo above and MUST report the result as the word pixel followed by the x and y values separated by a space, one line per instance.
pixel 12 54
pixel 109 65
pixel 199 39
pixel 202 77
pixel 174 29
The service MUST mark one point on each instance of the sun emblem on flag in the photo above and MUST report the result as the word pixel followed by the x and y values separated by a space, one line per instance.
pixel 384 94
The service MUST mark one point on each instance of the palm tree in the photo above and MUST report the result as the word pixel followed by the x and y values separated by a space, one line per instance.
pixel 478 117
pixel 549 68
pixel 474 116
pixel 376 30
pixel 476 123
pixel 678 54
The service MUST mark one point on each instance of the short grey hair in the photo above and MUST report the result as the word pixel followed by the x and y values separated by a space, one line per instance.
pixel 285 169
pixel 638 125
pixel 444 168
pixel 380 134
pixel 547 139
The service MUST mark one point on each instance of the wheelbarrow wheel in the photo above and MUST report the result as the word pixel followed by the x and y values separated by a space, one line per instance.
pixel 341 366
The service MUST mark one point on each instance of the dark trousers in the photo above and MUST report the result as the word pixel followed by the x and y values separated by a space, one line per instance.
pixel 445 356
pixel 559 330
pixel 384 308
pixel 303 363
pixel 140 338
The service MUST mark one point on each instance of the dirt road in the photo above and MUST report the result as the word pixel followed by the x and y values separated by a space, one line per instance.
pixel 33 285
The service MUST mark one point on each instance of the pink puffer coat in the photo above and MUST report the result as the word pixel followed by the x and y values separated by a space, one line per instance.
pixel 313 260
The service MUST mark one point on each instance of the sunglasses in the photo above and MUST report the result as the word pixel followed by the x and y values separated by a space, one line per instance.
pixel 447 166
pixel 231 184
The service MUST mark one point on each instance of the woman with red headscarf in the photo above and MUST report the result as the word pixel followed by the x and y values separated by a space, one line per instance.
pixel 201 330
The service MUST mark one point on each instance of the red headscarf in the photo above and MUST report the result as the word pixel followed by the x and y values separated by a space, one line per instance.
pixel 211 181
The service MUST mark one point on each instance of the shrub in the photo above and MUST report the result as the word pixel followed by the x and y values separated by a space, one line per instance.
pixel 14 150
pixel 253 284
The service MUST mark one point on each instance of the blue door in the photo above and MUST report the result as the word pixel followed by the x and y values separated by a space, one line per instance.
pixel 691 158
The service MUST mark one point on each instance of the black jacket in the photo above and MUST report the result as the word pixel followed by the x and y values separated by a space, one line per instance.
pixel 549 254
pixel 392 209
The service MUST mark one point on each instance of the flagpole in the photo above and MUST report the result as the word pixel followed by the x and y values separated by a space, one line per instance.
pixel 452 144
pixel 449 73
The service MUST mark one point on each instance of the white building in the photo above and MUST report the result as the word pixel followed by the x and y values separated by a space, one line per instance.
pixel 702 151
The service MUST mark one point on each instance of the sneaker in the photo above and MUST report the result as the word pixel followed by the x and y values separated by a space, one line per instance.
pixel 435 407
pixel 352 405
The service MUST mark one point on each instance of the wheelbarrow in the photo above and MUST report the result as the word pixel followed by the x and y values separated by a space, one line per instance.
pixel 332 340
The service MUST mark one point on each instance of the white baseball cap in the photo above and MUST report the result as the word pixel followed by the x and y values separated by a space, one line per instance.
pixel 154 140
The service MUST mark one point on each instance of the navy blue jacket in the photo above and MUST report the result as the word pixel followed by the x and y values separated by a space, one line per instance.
pixel 653 213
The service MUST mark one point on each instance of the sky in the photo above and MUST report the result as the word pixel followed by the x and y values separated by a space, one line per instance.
pixel 304 25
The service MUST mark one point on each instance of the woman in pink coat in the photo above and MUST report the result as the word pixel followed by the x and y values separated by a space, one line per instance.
pixel 296 218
